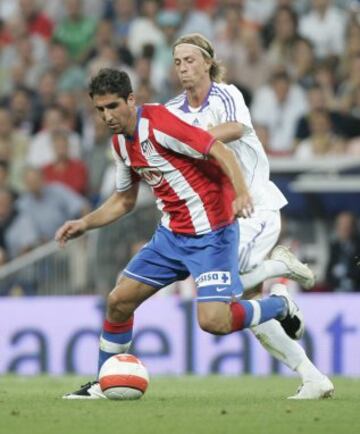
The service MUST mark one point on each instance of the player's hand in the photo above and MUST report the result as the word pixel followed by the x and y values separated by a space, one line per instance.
pixel 243 206
pixel 69 230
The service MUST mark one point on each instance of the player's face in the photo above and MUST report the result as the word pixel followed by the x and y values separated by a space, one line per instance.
pixel 116 112
pixel 191 66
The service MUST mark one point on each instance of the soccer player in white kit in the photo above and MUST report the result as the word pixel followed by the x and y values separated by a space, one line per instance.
pixel 220 108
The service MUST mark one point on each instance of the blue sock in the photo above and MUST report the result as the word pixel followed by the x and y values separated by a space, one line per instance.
pixel 115 339
pixel 248 313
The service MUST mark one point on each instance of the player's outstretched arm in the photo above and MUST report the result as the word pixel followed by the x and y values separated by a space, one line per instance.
pixel 242 205
pixel 227 132
pixel 116 206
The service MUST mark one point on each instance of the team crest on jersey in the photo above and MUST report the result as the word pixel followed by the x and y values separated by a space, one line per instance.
pixel 147 148
pixel 152 175
pixel 196 122
pixel 214 278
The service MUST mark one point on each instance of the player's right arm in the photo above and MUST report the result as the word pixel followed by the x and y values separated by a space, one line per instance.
pixel 121 202
pixel 116 206
pixel 233 117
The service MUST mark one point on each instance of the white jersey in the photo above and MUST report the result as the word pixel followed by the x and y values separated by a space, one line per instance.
pixel 225 103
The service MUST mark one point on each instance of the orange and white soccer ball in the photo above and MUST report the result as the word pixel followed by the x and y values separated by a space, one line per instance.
pixel 123 376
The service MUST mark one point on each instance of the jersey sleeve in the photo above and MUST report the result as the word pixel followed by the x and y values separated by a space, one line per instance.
pixel 232 107
pixel 173 133
pixel 125 177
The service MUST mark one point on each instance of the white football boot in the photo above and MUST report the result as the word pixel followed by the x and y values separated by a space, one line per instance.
pixel 293 322
pixel 298 271
pixel 317 389
pixel 89 390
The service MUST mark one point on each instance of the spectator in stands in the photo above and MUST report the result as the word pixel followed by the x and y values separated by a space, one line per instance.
pixel 70 102
pixel 5 178
pixel 193 20
pixel 66 170
pixel 251 68
pixel 46 94
pixel 69 77
pixel 228 38
pixel 37 21
pixel 343 270
pixel 26 63
pixel 162 62
pixel 40 149
pixel 352 47
pixel 348 88
pixel 284 38
pixel 98 157
pixel 76 32
pixel 302 63
pixel 17 29
pixel 325 76
pixel 144 93
pixel 21 108
pixel 325 26
pixel 278 106
pixel 17 232
pixel 124 16
pixel 322 140
pixel 342 124
pixel 48 205
pixel 13 149
pixel 144 30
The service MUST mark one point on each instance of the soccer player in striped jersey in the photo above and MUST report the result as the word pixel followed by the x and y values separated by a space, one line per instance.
pixel 220 108
pixel 200 190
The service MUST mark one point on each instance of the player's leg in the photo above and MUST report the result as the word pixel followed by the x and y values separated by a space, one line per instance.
pixel 151 269
pixel 271 334
pixel 116 334
pixel 212 261
pixel 263 229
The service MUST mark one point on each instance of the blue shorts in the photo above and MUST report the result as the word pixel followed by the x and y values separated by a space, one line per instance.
pixel 211 259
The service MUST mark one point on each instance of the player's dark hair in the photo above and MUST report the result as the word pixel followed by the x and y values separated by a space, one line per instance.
pixel 109 80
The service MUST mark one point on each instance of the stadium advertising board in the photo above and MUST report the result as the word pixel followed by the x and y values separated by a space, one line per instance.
pixel 59 335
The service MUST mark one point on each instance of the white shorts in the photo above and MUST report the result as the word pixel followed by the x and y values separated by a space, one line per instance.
pixel 258 235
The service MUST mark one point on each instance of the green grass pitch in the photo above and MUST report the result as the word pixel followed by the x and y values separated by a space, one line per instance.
pixel 186 405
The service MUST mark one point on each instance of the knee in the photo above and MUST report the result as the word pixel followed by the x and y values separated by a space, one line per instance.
pixel 213 324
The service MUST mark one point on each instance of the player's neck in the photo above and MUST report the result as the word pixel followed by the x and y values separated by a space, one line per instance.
pixel 197 95
pixel 131 126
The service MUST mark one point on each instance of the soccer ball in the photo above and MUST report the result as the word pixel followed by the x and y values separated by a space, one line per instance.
pixel 123 376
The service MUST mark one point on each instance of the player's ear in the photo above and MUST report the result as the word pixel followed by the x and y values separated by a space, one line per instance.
pixel 208 64
pixel 131 100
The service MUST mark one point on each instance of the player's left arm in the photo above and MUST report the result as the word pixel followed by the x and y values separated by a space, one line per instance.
pixel 228 131
pixel 242 205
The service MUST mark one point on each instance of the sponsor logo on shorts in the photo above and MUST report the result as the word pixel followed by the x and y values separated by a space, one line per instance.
pixel 220 289
pixel 220 278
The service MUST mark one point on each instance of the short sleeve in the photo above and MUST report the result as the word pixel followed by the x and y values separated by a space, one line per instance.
pixel 231 105
pixel 125 177
pixel 173 133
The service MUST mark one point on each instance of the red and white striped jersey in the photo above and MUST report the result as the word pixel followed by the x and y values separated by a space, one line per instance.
pixel 193 194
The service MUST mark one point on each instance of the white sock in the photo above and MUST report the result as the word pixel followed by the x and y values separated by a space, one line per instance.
pixel 308 372
pixel 268 269
pixel 274 339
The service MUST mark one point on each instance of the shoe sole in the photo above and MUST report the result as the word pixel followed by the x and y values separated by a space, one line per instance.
pixel 82 397
pixel 325 395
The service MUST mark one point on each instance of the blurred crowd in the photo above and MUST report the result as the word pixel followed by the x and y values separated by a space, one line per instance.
pixel 296 62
